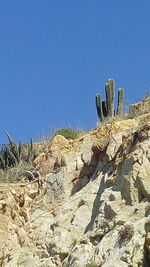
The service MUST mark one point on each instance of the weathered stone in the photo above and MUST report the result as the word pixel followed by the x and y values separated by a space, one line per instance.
pixel 114 145
pixel 79 163
pixel 89 210
pixel 69 160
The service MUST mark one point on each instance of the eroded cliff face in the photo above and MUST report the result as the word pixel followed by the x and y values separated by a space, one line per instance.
pixel 92 208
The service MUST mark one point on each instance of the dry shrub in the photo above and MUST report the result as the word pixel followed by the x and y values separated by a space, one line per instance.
pixel 16 173
pixel 110 120
pixel 68 133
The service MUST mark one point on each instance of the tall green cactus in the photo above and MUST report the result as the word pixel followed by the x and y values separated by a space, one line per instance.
pixel 109 90
pixel 112 86
pixel 99 107
pixel 120 101
pixel 106 108
pixel 30 150
pixel 13 149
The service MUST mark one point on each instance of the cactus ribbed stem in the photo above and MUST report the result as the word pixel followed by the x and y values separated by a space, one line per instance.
pixel 111 92
pixel 99 107
pixel 120 101
pixel 108 98
pixel 104 108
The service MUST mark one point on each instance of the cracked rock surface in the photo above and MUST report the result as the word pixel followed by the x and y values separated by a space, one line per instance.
pixel 93 208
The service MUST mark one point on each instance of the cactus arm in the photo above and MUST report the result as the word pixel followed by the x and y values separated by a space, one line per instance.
pixel 108 98
pixel 120 105
pixel 104 108
pixel 10 140
pixel 6 157
pixel 99 107
pixel 19 149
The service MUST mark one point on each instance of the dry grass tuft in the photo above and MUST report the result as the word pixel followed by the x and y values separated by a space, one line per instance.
pixel 68 133
pixel 140 108
pixel 16 173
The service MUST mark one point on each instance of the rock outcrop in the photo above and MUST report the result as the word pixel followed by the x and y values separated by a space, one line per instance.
pixel 92 206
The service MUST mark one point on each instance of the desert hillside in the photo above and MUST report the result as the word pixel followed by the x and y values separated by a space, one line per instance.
pixel 85 204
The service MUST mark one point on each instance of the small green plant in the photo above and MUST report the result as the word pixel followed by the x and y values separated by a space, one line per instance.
pixel 68 133
pixel 106 108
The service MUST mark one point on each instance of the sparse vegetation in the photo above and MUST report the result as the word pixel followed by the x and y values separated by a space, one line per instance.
pixel 12 154
pixel 68 133
pixel 16 173
pixel 109 120
pixel 15 159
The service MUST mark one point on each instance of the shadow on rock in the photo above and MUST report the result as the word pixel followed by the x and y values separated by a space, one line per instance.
pixel 85 174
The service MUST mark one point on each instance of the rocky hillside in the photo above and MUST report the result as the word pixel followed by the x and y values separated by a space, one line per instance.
pixel 90 205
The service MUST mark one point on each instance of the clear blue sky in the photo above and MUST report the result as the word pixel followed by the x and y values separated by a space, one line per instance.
pixel 55 55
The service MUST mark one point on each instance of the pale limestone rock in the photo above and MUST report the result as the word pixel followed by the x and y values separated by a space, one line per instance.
pixel 114 145
pixel 143 177
pixel 55 181
pixel 87 203
pixel 79 256
pixel 69 160
pixel 79 163
pixel 59 141
pixel 32 193
pixel 40 159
